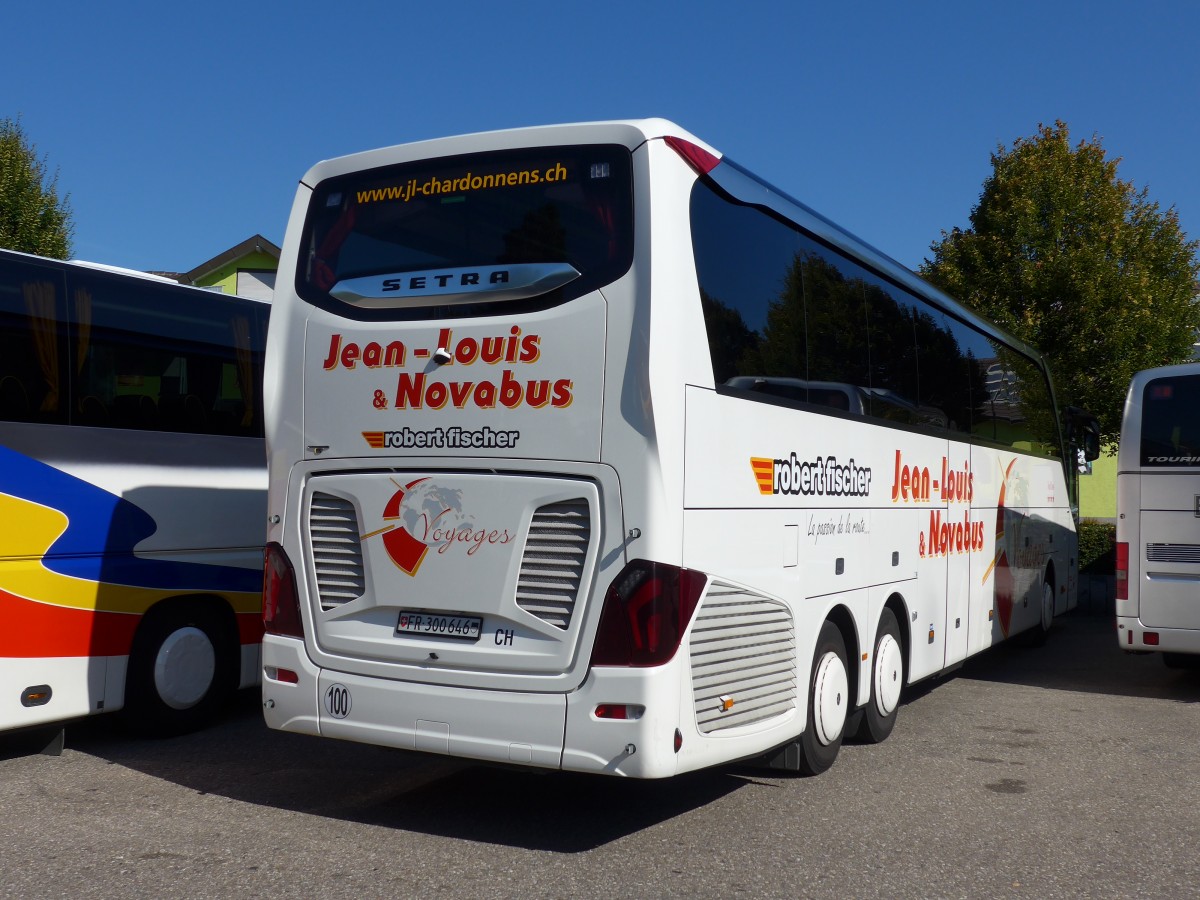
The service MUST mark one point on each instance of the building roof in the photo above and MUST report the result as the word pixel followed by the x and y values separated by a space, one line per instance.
pixel 252 245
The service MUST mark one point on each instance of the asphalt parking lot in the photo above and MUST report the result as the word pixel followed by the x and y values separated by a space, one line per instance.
pixel 1071 770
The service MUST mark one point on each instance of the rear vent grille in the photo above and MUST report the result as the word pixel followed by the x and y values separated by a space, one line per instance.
pixel 1176 553
pixel 552 565
pixel 336 549
pixel 743 654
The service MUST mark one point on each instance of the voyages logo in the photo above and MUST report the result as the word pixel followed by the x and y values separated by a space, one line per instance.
pixel 823 476
pixel 424 516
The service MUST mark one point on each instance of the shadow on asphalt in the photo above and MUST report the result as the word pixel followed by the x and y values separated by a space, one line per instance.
pixel 242 760
pixel 1081 654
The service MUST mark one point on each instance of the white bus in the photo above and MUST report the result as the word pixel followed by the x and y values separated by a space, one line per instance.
pixel 589 450
pixel 1158 515
pixel 132 495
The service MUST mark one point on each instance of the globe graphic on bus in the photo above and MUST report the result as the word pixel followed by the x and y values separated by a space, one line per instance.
pixel 428 506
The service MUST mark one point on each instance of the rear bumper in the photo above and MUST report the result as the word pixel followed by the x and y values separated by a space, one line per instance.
pixel 497 726
pixel 1131 635
pixel 544 730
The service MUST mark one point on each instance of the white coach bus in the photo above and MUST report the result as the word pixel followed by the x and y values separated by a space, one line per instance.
pixel 132 496
pixel 1158 515
pixel 589 450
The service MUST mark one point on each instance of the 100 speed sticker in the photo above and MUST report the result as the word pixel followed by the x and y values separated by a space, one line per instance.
pixel 338 701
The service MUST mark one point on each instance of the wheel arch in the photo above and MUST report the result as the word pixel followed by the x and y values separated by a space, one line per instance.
pixel 214 607
pixel 899 609
pixel 1049 578
pixel 843 619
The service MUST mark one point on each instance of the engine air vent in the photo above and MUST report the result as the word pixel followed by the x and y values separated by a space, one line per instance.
pixel 743 657
pixel 337 550
pixel 552 564
pixel 1176 553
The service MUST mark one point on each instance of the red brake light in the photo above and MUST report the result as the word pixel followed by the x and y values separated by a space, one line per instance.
pixel 1122 570
pixel 646 611
pixel 287 676
pixel 612 711
pixel 696 157
pixel 281 602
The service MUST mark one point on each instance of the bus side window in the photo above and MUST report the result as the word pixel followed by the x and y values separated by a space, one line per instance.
pixel 750 294
pixel 148 359
pixel 33 352
pixel 892 353
pixel 950 384
pixel 836 315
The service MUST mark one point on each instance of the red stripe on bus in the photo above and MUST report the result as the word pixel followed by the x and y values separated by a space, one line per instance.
pixel 33 629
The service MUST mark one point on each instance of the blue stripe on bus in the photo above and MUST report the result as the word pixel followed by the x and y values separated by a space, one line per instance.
pixel 102 531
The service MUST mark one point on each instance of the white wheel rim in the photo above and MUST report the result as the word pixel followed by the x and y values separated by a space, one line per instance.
pixel 829 698
pixel 184 667
pixel 1047 605
pixel 889 670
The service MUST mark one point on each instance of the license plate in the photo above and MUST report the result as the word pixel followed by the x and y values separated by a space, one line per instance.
pixel 440 625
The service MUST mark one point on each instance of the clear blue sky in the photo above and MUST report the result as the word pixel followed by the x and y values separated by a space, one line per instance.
pixel 179 130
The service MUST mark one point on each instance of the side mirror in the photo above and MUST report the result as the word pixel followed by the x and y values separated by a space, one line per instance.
pixel 1083 432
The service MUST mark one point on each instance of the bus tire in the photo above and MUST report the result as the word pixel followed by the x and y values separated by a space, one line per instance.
pixel 828 703
pixel 887 680
pixel 1037 636
pixel 182 669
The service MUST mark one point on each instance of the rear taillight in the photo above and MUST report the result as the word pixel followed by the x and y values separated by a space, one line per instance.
pixel 1122 570
pixel 621 711
pixel 696 157
pixel 281 602
pixel 646 611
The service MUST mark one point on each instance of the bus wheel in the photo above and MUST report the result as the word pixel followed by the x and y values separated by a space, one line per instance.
pixel 887 680
pixel 182 669
pixel 1038 635
pixel 828 700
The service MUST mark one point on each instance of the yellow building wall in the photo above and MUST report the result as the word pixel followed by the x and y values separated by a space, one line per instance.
pixel 226 277
pixel 1098 491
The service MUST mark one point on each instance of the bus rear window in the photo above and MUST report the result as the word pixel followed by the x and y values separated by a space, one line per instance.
pixel 465 235
pixel 1170 428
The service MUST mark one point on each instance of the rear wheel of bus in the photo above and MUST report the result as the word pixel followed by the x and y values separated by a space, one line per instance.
pixel 1038 635
pixel 887 679
pixel 182 669
pixel 828 698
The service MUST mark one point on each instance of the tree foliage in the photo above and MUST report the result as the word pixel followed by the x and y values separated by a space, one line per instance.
pixel 33 219
pixel 1077 263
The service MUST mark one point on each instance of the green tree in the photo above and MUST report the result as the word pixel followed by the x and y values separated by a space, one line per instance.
pixel 32 217
pixel 1077 263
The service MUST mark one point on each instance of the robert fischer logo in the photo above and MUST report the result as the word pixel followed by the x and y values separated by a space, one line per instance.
pixel 823 476
pixel 443 439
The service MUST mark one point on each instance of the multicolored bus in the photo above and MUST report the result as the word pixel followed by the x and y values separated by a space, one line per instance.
pixel 589 450
pixel 1158 516
pixel 132 495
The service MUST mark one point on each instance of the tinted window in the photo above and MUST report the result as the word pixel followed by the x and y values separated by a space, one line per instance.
pixel 34 386
pixel 150 356
pixel 952 359
pixel 789 317
pixel 1170 426
pixel 556 205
